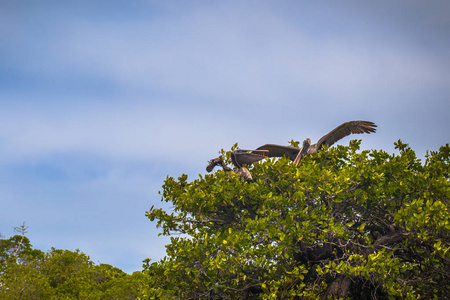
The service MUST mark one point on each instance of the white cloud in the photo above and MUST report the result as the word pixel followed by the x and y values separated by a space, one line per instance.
pixel 231 55
pixel 123 131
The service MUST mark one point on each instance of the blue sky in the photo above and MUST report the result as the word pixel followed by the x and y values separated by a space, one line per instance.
pixel 101 100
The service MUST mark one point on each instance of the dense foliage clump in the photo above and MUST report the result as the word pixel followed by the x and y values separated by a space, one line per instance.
pixel 343 223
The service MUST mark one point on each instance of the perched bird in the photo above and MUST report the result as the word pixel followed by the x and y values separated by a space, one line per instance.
pixel 239 158
pixel 296 154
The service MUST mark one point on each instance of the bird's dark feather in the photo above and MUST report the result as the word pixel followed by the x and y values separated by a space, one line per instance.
pixel 343 130
pixel 280 150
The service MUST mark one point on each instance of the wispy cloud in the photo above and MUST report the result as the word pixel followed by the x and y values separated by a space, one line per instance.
pixel 239 55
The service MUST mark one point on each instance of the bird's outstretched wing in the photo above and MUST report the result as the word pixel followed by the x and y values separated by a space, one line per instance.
pixel 279 150
pixel 240 157
pixel 345 129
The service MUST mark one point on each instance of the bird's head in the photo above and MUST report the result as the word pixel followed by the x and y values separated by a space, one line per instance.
pixel 214 162
pixel 307 143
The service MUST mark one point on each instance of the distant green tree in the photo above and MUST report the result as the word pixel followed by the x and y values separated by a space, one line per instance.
pixel 62 274
pixel 343 223
pixel 17 247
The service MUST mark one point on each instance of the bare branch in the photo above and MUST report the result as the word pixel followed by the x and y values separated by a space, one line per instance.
pixel 22 229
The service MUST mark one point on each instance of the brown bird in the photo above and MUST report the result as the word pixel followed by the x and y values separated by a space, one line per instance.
pixel 239 158
pixel 296 154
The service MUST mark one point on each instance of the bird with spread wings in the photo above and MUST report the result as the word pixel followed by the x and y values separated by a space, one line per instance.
pixel 343 130
pixel 242 157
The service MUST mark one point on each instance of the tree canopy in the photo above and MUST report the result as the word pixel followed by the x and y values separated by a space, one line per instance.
pixel 344 223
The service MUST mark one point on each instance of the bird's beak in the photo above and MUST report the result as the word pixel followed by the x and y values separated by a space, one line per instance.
pixel 262 153
pixel 299 157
